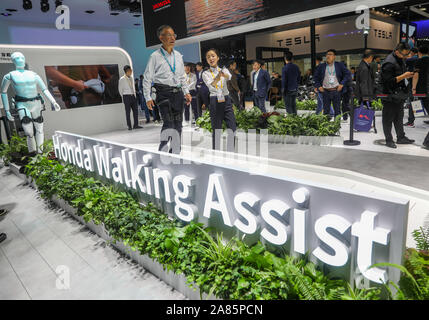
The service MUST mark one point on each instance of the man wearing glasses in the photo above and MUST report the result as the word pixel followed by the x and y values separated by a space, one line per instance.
pixel 166 70
pixel 395 80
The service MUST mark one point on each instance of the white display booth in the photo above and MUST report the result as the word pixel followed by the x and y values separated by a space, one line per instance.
pixel 84 120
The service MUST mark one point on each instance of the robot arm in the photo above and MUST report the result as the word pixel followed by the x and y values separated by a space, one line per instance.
pixel 46 93
pixel 4 86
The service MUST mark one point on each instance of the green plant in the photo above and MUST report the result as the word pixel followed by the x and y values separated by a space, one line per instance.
pixel 421 236
pixel 309 105
pixel 305 125
pixel 15 151
pixel 280 104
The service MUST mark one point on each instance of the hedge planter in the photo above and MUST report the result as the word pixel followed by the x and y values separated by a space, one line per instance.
pixel 177 281
pixel 281 139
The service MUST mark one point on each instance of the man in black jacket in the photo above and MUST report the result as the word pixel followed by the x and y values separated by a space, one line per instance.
pixel 365 78
pixel 395 78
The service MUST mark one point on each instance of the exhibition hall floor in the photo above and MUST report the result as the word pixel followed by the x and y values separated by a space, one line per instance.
pixel 41 238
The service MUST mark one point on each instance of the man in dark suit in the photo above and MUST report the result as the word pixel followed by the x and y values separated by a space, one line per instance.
pixel 330 78
pixel 365 81
pixel 291 77
pixel 202 90
pixel 261 85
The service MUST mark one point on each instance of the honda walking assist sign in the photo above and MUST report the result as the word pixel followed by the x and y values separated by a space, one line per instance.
pixel 342 231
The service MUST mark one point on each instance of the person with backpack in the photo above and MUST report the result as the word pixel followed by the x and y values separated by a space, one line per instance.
pixel 394 79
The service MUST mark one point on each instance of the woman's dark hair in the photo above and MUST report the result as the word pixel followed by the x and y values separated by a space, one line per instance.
pixel 214 50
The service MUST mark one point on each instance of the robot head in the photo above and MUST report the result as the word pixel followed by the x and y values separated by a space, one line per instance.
pixel 18 59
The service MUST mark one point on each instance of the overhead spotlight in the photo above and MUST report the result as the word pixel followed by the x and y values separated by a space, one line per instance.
pixel 44 5
pixel 27 5
pixel 90 11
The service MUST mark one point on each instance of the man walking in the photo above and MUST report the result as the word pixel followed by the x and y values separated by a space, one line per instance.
pixel 143 105
pixel 261 85
pixel 420 78
pixel 233 88
pixel 128 92
pixel 395 80
pixel 166 70
pixel 330 78
pixel 291 77
pixel 365 90
pixel 202 90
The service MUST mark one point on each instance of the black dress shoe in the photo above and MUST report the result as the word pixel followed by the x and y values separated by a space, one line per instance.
pixel 405 140
pixel 129 128
pixel 138 127
pixel 3 237
pixel 426 145
pixel 427 121
pixel 391 144
pixel 148 121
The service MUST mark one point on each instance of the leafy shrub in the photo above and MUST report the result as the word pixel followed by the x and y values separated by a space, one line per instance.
pixel 305 125
pixel 310 105
pixel 15 151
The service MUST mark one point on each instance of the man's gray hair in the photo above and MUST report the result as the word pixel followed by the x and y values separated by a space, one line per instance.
pixel 162 28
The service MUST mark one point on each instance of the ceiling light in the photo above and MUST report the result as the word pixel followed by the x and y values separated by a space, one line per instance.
pixel 44 5
pixel 114 13
pixel 11 10
pixel 27 5
pixel 137 15
pixel 90 11
pixel 137 24
pixel 6 14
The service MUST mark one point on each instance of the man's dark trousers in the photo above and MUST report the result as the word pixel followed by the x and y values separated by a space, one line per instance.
pixel 334 97
pixel 130 102
pixel 202 99
pixel 393 114
pixel 259 102
pixel 290 102
pixel 171 106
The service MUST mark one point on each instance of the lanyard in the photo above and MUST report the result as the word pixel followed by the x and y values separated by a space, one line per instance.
pixel 221 82
pixel 173 69
pixel 331 73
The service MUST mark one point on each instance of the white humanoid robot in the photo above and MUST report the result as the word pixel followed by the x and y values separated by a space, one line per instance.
pixel 28 102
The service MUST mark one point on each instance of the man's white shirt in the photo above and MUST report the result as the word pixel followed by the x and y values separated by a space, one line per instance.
pixel 158 70
pixel 126 86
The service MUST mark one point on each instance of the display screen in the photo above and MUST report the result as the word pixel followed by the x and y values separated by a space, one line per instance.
pixel 195 17
pixel 412 33
pixel 84 85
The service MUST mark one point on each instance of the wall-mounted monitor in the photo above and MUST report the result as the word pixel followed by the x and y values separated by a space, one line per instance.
pixel 197 20
pixel 84 85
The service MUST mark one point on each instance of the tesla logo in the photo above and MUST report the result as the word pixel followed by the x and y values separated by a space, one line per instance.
pixel 161 5
pixel 296 41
